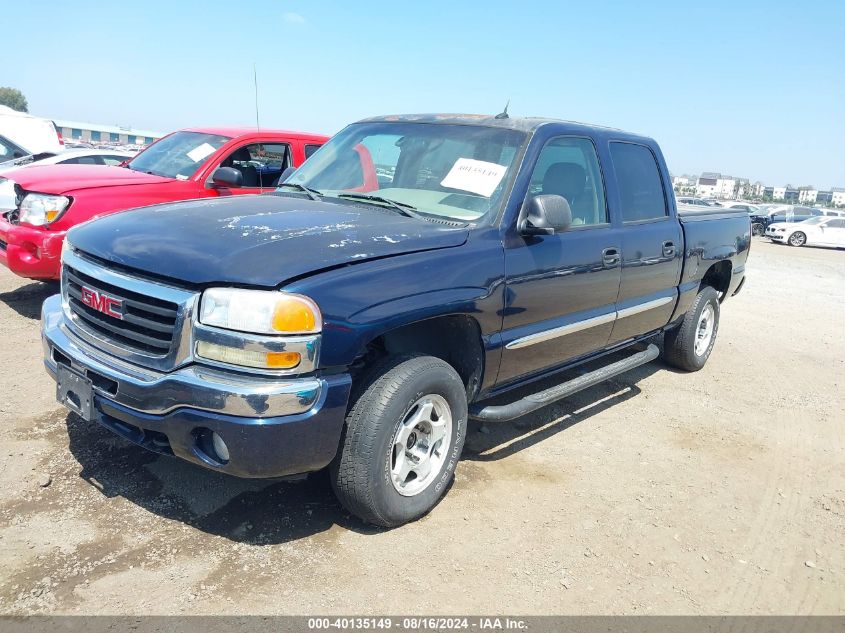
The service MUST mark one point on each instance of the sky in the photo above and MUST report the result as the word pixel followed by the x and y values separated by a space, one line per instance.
pixel 748 88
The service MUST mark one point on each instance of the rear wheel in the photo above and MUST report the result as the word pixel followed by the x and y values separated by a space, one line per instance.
pixel 797 239
pixel 404 434
pixel 688 346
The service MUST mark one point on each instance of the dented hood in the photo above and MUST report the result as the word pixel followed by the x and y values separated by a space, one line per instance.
pixel 261 240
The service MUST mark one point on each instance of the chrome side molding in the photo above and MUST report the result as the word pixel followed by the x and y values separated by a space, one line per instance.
pixel 578 326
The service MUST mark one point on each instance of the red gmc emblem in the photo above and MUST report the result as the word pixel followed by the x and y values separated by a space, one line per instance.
pixel 102 303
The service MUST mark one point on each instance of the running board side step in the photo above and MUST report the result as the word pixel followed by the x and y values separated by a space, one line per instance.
pixel 538 400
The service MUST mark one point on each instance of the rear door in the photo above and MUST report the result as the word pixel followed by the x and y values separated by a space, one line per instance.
pixel 832 233
pixel 652 242
pixel 561 288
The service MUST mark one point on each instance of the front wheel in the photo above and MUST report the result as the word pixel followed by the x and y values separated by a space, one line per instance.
pixel 797 239
pixel 757 229
pixel 688 346
pixel 403 437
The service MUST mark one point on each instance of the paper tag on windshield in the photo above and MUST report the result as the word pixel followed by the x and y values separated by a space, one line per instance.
pixel 198 153
pixel 475 176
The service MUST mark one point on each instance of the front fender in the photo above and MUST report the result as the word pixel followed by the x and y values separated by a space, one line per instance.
pixel 364 301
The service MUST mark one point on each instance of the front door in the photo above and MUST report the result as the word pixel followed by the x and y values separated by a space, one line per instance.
pixel 652 244
pixel 561 289
pixel 260 164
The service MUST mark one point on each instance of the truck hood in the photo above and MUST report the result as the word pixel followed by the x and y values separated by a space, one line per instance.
pixel 256 240
pixel 61 179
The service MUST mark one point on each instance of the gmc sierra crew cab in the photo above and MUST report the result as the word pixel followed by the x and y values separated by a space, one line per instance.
pixel 198 163
pixel 414 268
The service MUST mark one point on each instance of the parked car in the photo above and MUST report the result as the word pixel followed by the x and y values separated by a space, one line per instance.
pixel 699 202
pixel 816 231
pixel 751 209
pixel 70 157
pixel 343 324
pixel 781 213
pixel 22 134
pixel 196 163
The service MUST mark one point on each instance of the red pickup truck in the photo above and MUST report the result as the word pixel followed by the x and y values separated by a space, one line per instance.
pixel 194 163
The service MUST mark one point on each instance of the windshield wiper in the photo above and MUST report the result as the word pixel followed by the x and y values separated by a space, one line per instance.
pixel 405 209
pixel 311 193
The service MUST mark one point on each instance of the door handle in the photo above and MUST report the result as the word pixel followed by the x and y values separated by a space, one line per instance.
pixel 610 257
pixel 668 249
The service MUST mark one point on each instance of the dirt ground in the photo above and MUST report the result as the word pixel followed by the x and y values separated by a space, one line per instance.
pixel 721 492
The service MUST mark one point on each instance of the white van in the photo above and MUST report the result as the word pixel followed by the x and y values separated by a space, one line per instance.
pixel 22 134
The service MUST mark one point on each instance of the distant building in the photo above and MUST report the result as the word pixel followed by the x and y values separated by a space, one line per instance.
pixel 837 196
pixel 807 195
pixel 707 185
pixel 779 193
pixel 714 185
pixel 93 133
pixel 790 195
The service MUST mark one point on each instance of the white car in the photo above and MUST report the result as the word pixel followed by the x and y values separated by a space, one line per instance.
pixel 71 157
pixel 745 206
pixel 818 231
pixel 22 134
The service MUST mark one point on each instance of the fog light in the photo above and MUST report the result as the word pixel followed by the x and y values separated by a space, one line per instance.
pixel 220 447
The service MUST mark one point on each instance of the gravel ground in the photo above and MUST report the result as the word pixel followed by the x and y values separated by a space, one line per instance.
pixel 721 492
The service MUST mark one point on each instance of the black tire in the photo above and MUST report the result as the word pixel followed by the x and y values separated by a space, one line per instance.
pixel 757 229
pixel 679 343
pixel 798 238
pixel 360 473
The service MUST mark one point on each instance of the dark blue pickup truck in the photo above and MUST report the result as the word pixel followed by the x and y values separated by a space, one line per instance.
pixel 414 268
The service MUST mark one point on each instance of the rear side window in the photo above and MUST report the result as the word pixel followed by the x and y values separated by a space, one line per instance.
pixel 638 178
pixel 310 149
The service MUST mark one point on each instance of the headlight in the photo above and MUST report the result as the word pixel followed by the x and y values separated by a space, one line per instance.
pixel 260 311
pixel 39 209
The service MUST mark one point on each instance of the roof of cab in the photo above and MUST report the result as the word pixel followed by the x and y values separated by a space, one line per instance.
pixel 235 132
pixel 523 124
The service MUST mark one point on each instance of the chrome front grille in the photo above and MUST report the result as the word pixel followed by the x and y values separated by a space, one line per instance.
pixel 148 324
pixel 152 324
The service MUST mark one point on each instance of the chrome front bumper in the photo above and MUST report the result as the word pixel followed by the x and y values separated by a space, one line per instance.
pixel 158 393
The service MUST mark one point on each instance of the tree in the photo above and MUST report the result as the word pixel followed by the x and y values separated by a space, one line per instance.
pixel 13 98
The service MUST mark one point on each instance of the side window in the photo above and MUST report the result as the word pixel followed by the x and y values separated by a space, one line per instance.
pixel 836 224
pixel 260 163
pixel 82 160
pixel 310 149
pixel 638 178
pixel 569 167
pixel 113 160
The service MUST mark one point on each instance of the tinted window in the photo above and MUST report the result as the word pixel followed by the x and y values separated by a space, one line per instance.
pixel 836 224
pixel 569 167
pixel 82 160
pixel 310 149
pixel 108 159
pixel 638 178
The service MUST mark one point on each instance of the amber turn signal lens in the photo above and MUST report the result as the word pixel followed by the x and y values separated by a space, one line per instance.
pixel 293 314
pixel 283 360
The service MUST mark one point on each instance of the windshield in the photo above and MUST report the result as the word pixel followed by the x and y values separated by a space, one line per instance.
pixel 456 172
pixel 178 155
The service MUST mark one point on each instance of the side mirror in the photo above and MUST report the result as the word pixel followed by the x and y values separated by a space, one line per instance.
pixel 228 177
pixel 545 214
pixel 286 173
